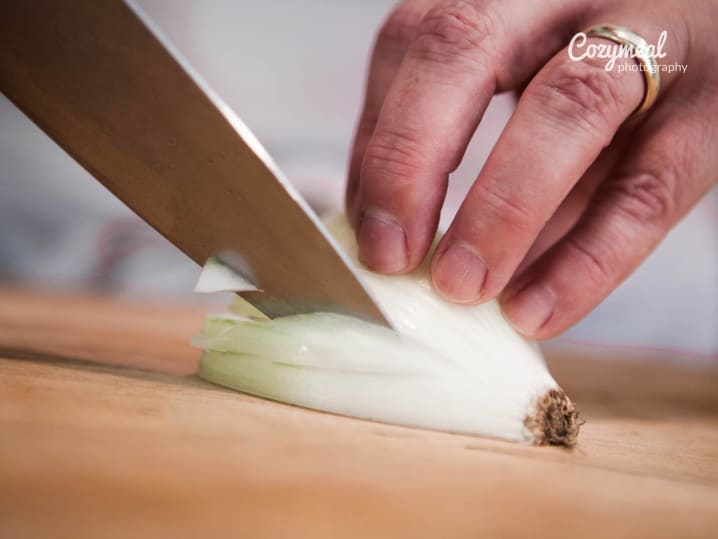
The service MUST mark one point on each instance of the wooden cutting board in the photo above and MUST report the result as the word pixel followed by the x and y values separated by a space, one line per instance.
pixel 104 432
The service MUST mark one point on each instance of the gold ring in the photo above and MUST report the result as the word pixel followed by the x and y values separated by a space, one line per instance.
pixel 639 47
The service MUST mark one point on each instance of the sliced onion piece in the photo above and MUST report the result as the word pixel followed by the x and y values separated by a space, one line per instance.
pixel 447 367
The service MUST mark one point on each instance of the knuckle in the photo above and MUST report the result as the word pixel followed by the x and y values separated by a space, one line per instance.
pixel 398 30
pixel 393 154
pixel 583 94
pixel 594 265
pixel 647 197
pixel 512 212
pixel 457 30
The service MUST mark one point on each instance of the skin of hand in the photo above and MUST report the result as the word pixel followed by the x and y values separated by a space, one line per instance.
pixel 574 195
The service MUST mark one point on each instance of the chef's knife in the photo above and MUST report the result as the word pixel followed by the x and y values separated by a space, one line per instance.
pixel 100 80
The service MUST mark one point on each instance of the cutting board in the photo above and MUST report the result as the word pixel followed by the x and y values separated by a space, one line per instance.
pixel 105 432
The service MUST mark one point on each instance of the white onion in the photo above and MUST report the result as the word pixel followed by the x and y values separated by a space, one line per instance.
pixel 447 367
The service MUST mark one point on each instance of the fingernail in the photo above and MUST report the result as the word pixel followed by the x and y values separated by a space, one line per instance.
pixel 530 309
pixel 459 274
pixel 382 242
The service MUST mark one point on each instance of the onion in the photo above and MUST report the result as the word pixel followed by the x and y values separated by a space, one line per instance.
pixel 447 367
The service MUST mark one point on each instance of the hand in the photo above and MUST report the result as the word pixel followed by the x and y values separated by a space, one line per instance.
pixel 572 197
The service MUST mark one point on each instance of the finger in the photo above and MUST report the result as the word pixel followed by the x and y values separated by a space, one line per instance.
pixel 573 206
pixel 392 41
pixel 456 62
pixel 567 115
pixel 672 167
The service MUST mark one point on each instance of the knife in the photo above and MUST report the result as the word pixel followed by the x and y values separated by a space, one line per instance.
pixel 98 77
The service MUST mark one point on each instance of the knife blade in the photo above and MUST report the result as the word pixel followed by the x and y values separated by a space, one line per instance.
pixel 100 79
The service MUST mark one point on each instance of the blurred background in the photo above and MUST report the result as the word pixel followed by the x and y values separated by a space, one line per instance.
pixel 294 72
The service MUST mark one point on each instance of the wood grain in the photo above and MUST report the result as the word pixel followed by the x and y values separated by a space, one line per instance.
pixel 94 444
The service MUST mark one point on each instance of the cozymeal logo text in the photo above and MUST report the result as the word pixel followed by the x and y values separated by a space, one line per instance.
pixel 579 49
